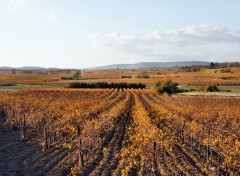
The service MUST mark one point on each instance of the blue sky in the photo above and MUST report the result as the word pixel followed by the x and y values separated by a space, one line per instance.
pixel 80 34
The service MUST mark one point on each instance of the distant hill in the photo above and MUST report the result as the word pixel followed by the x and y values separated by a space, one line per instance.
pixel 28 69
pixel 31 68
pixel 151 65
pixel 115 66
pixel 22 68
pixel 5 68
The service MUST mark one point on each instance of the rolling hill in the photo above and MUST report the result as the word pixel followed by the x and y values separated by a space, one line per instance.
pixel 150 65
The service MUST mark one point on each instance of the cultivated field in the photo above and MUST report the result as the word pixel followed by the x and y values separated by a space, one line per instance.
pixel 106 132
pixel 188 79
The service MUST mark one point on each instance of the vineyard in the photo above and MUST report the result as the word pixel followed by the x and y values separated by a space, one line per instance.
pixel 111 132
pixel 200 78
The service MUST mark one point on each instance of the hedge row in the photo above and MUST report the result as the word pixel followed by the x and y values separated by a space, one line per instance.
pixel 105 85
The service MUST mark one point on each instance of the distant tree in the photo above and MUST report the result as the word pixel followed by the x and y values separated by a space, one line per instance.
pixel 213 65
pixel 68 71
pixel 13 71
pixel 193 68
pixel 76 74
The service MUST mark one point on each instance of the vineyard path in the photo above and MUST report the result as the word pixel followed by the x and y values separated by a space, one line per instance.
pixel 13 152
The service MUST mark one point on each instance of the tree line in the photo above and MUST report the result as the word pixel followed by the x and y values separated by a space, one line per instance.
pixel 212 65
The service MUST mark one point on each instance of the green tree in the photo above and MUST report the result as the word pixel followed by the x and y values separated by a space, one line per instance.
pixel 76 74
pixel 168 87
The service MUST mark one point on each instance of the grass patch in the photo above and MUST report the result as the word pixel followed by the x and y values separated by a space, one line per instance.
pixel 29 86
pixel 199 88
pixel 231 88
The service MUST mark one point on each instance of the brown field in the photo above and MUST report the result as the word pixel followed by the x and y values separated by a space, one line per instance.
pixel 46 129
pixel 106 132
pixel 207 76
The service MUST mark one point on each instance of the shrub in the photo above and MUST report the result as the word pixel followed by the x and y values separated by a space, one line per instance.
pixel 143 75
pixel 210 88
pixel 126 76
pixel 7 84
pixel 227 70
pixel 67 78
pixel 168 87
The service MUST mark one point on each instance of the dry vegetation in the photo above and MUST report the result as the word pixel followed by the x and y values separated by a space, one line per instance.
pixel 205 76
pixel 106 132
pixel 58 131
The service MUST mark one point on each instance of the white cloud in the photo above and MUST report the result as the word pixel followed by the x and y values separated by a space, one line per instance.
pixel 200 34
pixel 19 6
pixel 191 42
pixel 189 35
pixel 115 40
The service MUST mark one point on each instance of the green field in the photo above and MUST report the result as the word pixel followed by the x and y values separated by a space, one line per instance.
pixel 221 88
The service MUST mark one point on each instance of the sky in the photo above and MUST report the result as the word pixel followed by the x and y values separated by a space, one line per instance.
pixel 89 33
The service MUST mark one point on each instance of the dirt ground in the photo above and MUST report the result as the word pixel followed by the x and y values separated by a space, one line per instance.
pixel 14 154
pixel 224 94
pixel 25 158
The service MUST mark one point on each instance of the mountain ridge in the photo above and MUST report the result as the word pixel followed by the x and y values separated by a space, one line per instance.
pixel 150 65
pixel 120 66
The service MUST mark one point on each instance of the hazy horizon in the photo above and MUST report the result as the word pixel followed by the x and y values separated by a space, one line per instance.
pixel 36 66
pixel 84 34
pixel 114 64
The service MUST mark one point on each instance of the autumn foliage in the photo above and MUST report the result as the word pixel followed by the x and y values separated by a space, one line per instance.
pixel 129 132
